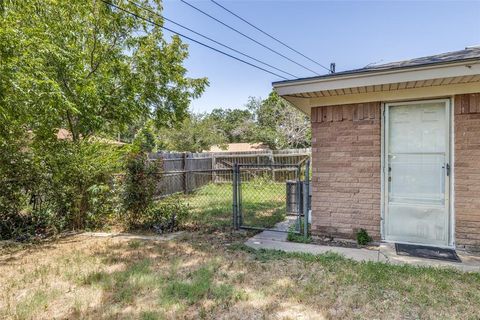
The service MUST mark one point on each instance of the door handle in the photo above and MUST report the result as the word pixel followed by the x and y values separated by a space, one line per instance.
pixel 447 168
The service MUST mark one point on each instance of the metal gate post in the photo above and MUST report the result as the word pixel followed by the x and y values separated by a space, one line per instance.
pixel 299 172
pixel 239 195
pixel 235 197
pixel 306 195
pixel 298 204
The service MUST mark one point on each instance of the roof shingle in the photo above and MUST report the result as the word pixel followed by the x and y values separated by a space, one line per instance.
pixel 468 54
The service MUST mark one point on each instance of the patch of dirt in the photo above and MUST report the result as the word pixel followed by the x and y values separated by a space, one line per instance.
pixel 331 242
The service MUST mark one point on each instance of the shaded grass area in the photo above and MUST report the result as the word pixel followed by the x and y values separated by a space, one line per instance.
pixel 212 276
pixel 263 205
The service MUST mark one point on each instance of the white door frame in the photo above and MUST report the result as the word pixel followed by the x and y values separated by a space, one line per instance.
pixel 449 159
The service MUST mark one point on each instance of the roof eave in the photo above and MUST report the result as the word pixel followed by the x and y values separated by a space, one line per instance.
pixel 375 77
pixel 361 73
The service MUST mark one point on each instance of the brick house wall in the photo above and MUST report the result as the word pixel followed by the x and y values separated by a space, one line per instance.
pixel 467 171
pixel 346 178
pixel 346 161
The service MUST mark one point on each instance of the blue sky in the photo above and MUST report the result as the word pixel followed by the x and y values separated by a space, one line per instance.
pixel 350 33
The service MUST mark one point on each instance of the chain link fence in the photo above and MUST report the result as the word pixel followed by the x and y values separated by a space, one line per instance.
pixel 252 196
pixel 263 201
pixel 210 198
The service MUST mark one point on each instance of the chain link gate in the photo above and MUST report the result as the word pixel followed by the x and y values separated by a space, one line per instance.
pixel 271 197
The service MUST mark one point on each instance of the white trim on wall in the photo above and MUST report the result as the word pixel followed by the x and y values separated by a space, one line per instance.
pixel 382 173
pixel 452 172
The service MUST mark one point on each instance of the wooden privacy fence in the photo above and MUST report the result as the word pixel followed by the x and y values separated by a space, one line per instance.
pixel 186 172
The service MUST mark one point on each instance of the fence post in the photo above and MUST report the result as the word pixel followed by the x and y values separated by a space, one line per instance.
pixel 184 162
pixel 239 198
pixel 272 160
pixel 306 194
pixel 214 164
pixel 235 197
pixel 298 204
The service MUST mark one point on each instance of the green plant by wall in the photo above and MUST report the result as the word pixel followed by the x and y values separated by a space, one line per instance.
pixel 363 237
pixel 293 236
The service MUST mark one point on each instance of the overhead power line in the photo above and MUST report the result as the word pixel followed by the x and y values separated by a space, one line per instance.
pixel 269 35
pixel 208 38
pixel 248 37
pixel 189 38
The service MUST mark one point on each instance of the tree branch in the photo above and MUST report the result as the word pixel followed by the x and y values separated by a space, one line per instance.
pixel 100 60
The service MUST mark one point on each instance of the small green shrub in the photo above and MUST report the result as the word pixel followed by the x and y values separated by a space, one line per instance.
pixel 363 237
pixel 166 215
pixel 293 236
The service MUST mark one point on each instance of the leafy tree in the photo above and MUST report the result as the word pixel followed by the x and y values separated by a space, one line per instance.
pixel 145 139
pixel 93 70
pixel 279 124
pixel 197 133
pixel 90 68
pixel 272 121
pixel 236 124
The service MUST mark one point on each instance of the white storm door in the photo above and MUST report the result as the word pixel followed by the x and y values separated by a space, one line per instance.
pixel 417 172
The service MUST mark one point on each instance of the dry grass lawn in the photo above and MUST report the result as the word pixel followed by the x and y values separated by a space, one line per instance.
pixel 214 276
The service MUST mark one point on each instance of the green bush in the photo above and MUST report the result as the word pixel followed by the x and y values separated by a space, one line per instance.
pixel 17 178
pixel 139 187
pixel 53 185
pixel 363 237
pixel 167 215
pixel 77 182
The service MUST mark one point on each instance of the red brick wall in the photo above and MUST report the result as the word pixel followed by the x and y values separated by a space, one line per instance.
pixel 346 155
pixel 467 171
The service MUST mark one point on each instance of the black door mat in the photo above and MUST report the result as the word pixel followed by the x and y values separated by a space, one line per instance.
pixel 426 252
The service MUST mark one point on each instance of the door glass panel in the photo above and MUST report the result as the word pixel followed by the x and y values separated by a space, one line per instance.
pixel 417 178
pixel 417 128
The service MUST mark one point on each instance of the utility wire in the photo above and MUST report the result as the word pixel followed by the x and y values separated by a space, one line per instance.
pixel 269 35
pixel 208 38
pixel 248 37
pixel 189 38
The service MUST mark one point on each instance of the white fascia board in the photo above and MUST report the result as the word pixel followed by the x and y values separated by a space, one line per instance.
pixel 379 78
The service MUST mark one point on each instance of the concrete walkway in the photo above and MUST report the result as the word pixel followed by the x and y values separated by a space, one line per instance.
pixel 384 253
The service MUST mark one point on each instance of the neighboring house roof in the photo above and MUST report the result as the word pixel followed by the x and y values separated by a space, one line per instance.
pixel 444 75
pixel 238 147
pixel 64 134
